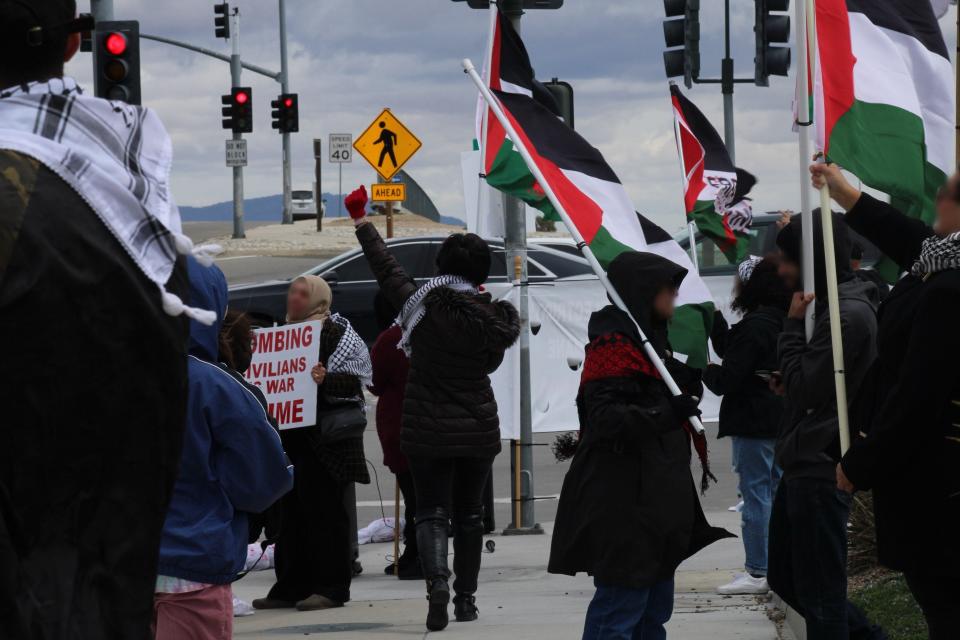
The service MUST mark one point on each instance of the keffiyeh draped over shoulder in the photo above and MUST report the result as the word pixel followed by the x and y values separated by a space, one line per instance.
pixel 414 309
pixel 351 356
pixel 938 254
pixel 117 157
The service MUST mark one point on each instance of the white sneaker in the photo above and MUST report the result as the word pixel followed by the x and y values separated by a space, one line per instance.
pixel 737 507
pixel 744 584
pixel 241 608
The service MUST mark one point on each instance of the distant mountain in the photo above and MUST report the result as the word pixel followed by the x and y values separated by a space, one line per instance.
pixel 267 208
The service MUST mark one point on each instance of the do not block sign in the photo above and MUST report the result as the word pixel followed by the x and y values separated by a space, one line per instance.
pixel 388 192
pixel 283 358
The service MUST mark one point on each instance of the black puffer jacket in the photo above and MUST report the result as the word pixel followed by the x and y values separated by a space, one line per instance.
pixel 749 350
pixel 448 409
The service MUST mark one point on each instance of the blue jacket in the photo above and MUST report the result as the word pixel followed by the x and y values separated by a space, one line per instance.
pixel 232 461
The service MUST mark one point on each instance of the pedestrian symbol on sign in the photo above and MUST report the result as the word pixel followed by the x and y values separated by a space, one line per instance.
pixel 387 145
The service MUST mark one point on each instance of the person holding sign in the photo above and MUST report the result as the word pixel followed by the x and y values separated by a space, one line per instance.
pixel 314 551
pixel 455 337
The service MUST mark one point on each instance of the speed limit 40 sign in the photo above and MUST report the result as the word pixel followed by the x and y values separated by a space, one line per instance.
pixel 341 147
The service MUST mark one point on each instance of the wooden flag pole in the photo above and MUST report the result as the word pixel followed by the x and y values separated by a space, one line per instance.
pixel 652 354
pixel 396 528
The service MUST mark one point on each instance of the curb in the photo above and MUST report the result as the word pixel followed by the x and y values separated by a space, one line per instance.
pixel 793 626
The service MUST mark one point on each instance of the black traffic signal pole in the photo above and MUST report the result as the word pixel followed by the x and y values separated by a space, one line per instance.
pixel 726 82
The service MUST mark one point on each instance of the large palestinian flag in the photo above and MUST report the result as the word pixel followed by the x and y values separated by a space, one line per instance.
pixel 714 190
pixel 583 182
pixel 884 97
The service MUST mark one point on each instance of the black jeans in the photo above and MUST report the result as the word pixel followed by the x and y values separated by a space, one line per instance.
pixel 407 490
pixel 442 484
pixel 314 552
pixel 938 597
pixel 808 554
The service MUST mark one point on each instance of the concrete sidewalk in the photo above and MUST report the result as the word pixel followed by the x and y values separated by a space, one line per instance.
pixel 517 599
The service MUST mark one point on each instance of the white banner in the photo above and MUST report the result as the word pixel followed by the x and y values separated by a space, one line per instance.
pixel 283 358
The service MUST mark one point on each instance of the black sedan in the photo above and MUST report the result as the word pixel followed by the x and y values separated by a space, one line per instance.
pixel 354 286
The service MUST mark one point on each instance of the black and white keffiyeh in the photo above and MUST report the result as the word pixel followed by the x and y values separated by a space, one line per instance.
pixel 351 356
pixel 938 254
pixel 414 310
pixel 117 157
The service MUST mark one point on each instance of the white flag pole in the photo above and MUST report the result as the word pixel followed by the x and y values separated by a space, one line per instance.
pixel 830 262
pixel 804 121
pixel 652 354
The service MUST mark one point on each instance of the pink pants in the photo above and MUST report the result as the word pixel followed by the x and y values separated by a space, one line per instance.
pixel 196 615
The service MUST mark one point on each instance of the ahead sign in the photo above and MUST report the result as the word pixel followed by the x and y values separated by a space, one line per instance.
pixel 388 192
pixel 341 147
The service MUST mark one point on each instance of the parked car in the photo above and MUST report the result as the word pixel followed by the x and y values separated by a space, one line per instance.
pixel 303 205
pixel 354 286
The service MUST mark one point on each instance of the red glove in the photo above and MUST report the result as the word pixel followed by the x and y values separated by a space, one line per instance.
pixel 356 203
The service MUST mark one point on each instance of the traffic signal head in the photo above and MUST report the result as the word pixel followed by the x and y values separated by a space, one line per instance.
pixel 238 110
pixel 772 27
pixel 286 113
pixel 221 20
pixel 682 29
pixel 117 59
pixel 563 93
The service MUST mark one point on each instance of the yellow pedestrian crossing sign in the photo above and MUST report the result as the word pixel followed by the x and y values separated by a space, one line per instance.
pixel 387 145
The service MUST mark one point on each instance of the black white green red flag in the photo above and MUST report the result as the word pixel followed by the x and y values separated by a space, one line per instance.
pixel 715 192
pixel 884 97
pixel 582 181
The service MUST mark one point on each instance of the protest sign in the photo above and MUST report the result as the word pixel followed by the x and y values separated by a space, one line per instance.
pixel 283 358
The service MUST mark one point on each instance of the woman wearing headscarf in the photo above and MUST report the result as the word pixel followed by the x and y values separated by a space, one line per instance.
pixel 750 411
pixel 455 337
pixel 314 551
pixel 629 512
pixel 908 411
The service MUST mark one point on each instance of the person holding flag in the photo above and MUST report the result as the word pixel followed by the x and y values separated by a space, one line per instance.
pixel 910 407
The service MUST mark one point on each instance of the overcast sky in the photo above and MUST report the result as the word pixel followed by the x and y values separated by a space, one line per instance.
pixel 351 58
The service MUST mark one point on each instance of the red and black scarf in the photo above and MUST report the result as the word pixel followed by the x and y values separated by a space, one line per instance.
pixel 615 355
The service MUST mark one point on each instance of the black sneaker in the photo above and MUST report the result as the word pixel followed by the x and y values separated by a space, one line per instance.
pixel 465 608
pixel 439 598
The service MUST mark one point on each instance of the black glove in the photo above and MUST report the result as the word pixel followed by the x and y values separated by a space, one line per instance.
pixel 686 406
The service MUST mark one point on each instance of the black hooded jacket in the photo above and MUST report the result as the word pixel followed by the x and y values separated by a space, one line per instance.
pixel 629 512
pixel 808 444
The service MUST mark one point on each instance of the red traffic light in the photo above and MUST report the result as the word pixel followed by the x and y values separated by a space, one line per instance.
pixel 288 102
pixel 116 44
pixel 241 97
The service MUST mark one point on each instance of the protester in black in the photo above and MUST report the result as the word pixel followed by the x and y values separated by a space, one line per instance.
pixel 808 526
pixel 750 412
pixel 867 275
pixel 629 512
pixel 314 551
pixel 93 369
pixel 455 337
pixel 909 410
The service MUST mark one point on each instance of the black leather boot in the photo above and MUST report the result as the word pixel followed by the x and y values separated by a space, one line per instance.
pixel 433 545
pixel 467 551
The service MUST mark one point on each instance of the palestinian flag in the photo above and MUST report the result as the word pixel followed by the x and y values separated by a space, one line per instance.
pixel 884 97
pixel 714 190
pixel 583 182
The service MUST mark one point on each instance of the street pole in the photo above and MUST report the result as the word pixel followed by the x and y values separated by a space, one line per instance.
pixel 235 72
pixel 318 174
pixel 515 241
pixel 285 88
pixel 340 190
pixel 101 10
pixel 726 85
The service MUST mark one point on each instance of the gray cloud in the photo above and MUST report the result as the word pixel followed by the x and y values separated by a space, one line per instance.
pixel 350 58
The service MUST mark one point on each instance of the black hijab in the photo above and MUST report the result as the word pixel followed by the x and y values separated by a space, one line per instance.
pixel 638 277
pixel 790 242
